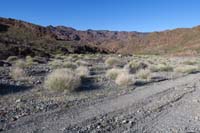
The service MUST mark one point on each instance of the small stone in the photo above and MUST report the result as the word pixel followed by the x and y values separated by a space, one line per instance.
pixel 125 121
pixel 18 101
pixel 98 127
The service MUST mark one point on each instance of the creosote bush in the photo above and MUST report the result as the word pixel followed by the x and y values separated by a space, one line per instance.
pixel 83 71
pixel 112 62
pixel 62 80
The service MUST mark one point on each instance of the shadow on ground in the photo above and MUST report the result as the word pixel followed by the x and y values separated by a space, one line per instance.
pixel 9 89
pixel 88 84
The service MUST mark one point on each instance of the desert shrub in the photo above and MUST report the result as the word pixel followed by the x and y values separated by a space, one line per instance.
pixel 82 63
pixel 20 63
pixel 55 64
pixel 82 71
pixel 29 61
pixel 18 73
pixel 69 65
pixel 12 58
pixel 187 69
pixel 62 80
pixel 124 79
pixel 161 68
pixel 143 74
pixel 113 73
pixel 134 66
pixel 190 62
pixel 112 61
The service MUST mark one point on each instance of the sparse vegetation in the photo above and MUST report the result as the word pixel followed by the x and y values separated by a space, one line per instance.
pixel 113 73
pixel 20 63
pixel 83 71
pixel 125 79
pixel 187 69
pixel 143 74
pixel 161 68
pixel 12 58
pixel 18 73
pixel 62 80
pixel 112 62
pixel 134 66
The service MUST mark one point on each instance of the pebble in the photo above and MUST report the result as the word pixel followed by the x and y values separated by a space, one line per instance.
pixel 18 101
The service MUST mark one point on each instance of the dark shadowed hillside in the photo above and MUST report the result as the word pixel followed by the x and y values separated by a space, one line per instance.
pixel 22 38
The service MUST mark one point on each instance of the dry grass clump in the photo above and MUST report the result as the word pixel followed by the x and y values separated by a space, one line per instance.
pixel 112 61
pixel 82 63
pixel 190 62
pixel 125 79
pixel 29 61
pixel 83 71
pixel 134 66
pixel 12 58
pixel 55 63
pixel 161 68
pixel 68 65
pixel 113 73
pixel 18 73
pixel 62 80
pixel 143 74
pixel 20 63
pixel 187 69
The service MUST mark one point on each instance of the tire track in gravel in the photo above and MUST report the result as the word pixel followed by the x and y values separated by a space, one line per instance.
pixel 122 106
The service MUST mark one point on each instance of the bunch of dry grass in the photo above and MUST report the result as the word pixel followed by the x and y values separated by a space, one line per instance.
pixel 62 80
pixel 187 69
pixel 125 79
pixel 83 71
pixel 134 66
pixel 143 74
pixel 161 68
pixel 113 73
pixel 18 73
pixel 112 62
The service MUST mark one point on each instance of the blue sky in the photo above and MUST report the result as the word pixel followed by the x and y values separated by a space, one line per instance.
pixel 121 15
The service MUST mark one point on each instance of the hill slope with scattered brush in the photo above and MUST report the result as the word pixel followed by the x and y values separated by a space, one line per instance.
pixel 22 38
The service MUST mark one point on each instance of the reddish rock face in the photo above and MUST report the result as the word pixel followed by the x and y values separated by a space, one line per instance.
pixel 16 34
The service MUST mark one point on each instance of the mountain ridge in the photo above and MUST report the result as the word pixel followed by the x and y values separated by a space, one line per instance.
pixel 17 37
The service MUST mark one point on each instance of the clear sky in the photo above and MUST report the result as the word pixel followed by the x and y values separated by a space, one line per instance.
pixel 121 15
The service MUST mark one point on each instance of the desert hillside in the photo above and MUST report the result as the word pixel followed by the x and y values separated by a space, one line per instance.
pixel 21 38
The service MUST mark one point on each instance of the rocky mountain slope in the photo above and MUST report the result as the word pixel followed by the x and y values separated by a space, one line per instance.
pixel 22 38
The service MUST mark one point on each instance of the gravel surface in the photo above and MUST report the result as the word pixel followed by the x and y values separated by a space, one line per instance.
pixel 168 103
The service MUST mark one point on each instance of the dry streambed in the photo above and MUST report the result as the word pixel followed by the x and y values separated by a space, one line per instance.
pixel 115 93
